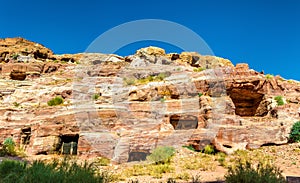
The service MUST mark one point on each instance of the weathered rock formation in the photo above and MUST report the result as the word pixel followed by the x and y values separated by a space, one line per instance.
pixel 121 108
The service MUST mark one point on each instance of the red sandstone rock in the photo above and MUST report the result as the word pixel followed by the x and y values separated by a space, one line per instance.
pixel 229 107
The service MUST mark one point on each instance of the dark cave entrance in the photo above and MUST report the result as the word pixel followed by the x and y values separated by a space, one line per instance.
pixel 184 122
pixel 246 101
pixel 68 144
pixel 25 136
pixel 137 156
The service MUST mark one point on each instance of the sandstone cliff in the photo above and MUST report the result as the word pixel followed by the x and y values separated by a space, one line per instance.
pixel 122 107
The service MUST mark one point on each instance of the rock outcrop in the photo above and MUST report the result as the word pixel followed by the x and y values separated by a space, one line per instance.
pixel 122 108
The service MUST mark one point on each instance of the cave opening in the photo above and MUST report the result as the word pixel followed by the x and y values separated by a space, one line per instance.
pixel 184 122
pixel 246 101
pixel 137 156
pixel 68 144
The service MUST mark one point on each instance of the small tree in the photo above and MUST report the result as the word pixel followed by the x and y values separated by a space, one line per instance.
pixel 295 132
pixel 161 155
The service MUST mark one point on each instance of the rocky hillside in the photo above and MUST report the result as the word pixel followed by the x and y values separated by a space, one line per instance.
pixel 122 107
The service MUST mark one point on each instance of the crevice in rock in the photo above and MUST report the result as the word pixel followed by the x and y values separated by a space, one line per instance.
pixel 246 101
pixel 227 146
pixel 184 122
pixel 269 144
pixel 42 153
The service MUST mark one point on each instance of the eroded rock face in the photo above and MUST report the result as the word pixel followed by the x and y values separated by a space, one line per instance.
pixel 122 108
pixel 12 48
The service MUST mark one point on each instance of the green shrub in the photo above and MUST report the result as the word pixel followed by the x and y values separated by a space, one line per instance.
pixel 190 147
pixel 16 104
pixel 40 172
pixel 209 149
pixel 161 76
pixel 95 96
pixel 269 76
pixel 246 173
pixel 295 132
pixel 55 101
pixel 102 161
pixel 8 147
pixel 279 100
pixel 161 155
pixel 162 99
pixel 11 170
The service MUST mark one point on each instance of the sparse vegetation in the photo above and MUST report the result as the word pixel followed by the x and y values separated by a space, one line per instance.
pixel 295 132
pixel 162 99
pixel 55 101
pixel 183 176
pixel 15 56
pixel 251 156
pixel 198 162
pixel 171 180
pixel 247 173
pixel 133 181
pixel 200 94
pixel 222 158
pixel 196 178
pixel 161 76
pixel 269 76
pixel 133 81
pixel 161 155
pixel 129 81
pixel 199 69
pixel 154 170
pixel 279 100
pixel 95 96
pixel 16 104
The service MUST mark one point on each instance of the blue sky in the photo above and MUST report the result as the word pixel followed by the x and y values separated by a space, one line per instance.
pixel 263 33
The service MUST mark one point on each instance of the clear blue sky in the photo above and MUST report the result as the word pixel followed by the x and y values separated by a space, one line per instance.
pixel 263 33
